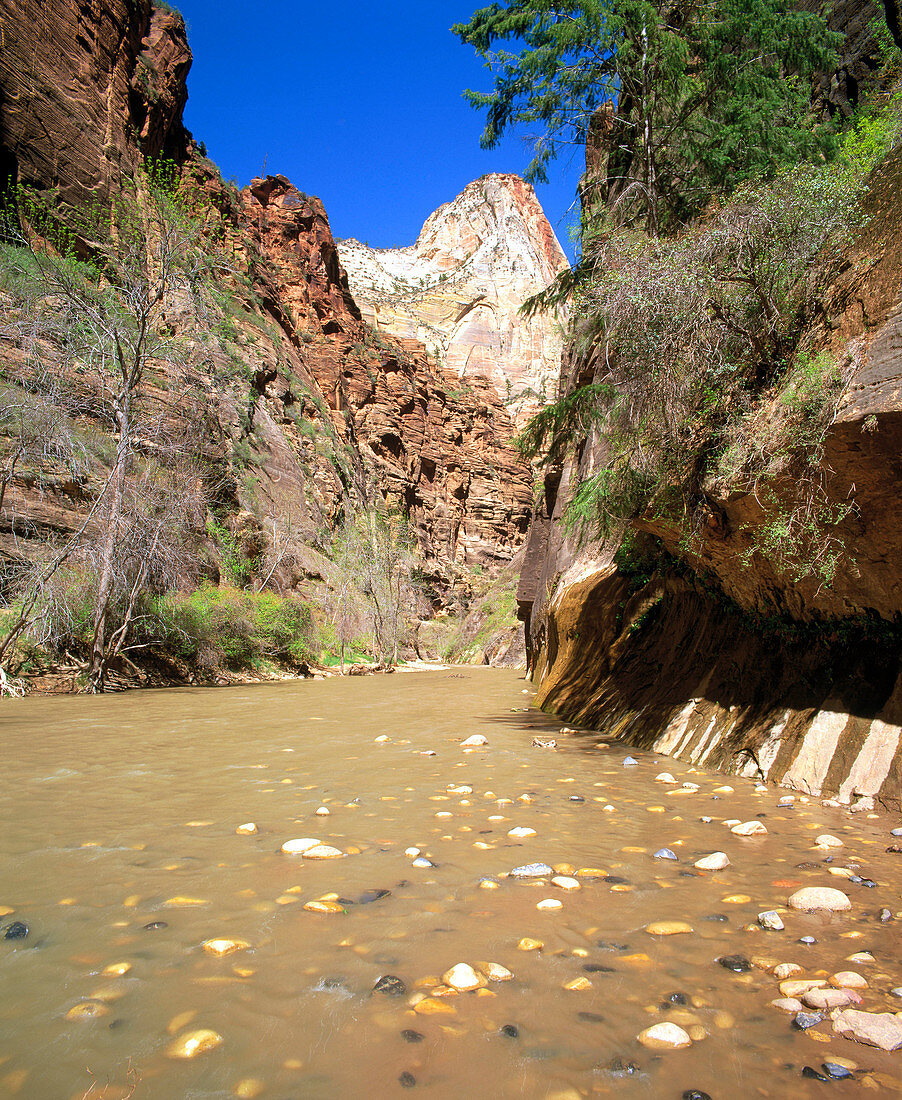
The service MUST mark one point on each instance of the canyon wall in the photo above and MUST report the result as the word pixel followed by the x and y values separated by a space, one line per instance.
pixel 460 287
pixel 305 407
pixel 723 656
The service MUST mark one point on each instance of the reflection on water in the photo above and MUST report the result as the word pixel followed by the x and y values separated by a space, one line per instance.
pixel 120 854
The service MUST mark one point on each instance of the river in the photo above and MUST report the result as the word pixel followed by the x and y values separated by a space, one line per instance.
pixel 121 857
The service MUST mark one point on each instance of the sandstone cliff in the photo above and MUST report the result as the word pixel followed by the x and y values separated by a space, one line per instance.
pixel 459 288
pixel 305 406
pixel 722 656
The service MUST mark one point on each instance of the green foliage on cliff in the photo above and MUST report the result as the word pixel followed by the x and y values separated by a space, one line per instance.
pixel 689 99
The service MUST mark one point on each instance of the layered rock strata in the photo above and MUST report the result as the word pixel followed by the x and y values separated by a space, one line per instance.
pixel 459 289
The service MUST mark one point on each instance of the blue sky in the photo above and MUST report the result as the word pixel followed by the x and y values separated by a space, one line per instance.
pixel 358 103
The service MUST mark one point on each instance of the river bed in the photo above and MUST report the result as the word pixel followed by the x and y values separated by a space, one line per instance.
pixel 121 857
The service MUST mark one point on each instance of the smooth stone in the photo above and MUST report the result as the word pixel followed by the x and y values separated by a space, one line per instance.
pixel 565 882
pixel 324 851
pixel 807 940
pixel 246 829
pixel 749 828
pixel 529 944
pixel 509 1031
pixel 819 897
pixel 809 1071
pixel 788 1004
pixel 694 1094
pixel 896 832
pixel 422 861
pixel 664 777
pixel 411 1036
pixel 323 811
pixel 795 987
pixel 664 1037
pixel 848 979
pixel 875 1029
pixel 548 904
pixel 431 1006
pixel 521 831
pixel 825 840
pixel 836 1071
pixel 369 896
pixel 411 853
pixel 461 977
pixel 324 907
pixel 772 920
pixel 390 985
pixel 489 884
pixel 221 948
pixel 716 861
pixel 668 928
pixel 474 742
pixel 826 999
pixel 786 970
pixel 577 798
pixel 739 964
pixel 406 1080
pixel 87 1010
pixel 665 853
pixel 630 762
pixel 300 845
pixel 495 972
pixel 193 1043
pixel 577 985
pixel 861 957
pixel 532 870
pixel 805 1020
pixel 17 930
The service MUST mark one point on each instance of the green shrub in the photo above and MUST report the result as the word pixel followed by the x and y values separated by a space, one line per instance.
pixel 225 625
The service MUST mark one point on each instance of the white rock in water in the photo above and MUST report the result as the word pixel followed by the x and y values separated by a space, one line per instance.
pixel 825 840
pixel 772 920
pixel 716 861
pixel 194 1043
pixel 246 829
pixel 664 1037
pixel 422 861
pixel 786 800
pixel 565 882
pixel 749 828
pixel 382 739
pixel 323 811
pixel 462 977
pixel 521 831
pixel 223 947
pixel 323 851
pixel 664 777
pixel 876 1029
pixel 300 845
pixel 473 742
pixel 495 972
pixel 819 897
pixel 532 870
pixel 550 903
pixel 411 853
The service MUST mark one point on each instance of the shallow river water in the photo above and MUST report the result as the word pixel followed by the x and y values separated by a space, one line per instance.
pixel 118 819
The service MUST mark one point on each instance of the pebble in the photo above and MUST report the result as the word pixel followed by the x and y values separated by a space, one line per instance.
pixel 630 762
pixel 323 811
pixel 805 1020
pixel 532 870
pixel 668 928
pixel 488 884
pixel 221 948
pixel 716 861
pixel 324 907
pixel 836 1071
pixel 475 741
pixel 461 977
pixel 825 840
pixel 819 897
pixel 529 944
pixel 826 999
pixel 565 882
pixel 390 985
pixel 664 1037
pixel 521 831
pixel 795 987
pixel 664 777
pixel 407 1080
pixel 17 930
pixel 509 1031
pixel 495 972
pixel 246 829
pixel 411 853
pixel 848 979
pixel 193 1043
pixel 665 853
pixel 694 1094
pixel 771 920
pixel 749 828
pixel 300 845
pixel 876 1029
pixel 411 1036
pixel 739 964
pixel 422 861
pixel 87 1010
pixel 431 1006
pixel 786 970
pixel 788 1004
pixel 549 904
pixel 324 851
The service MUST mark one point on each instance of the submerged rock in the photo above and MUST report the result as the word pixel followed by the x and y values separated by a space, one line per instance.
pixel 532 870
pixel 819 897
pixel 17 930
pixel 194 1043
pixel 391 986
pixel 476 741
pixel 716 861
pixel 461 977
pixel 875 1029
pixel 664 1037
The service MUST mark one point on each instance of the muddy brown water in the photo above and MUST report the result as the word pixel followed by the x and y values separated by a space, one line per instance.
pixel 112 807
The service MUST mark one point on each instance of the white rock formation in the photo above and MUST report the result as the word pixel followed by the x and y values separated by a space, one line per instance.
pixel 459 288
